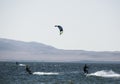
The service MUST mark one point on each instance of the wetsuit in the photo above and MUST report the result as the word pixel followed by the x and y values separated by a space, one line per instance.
pixel 28 69
pixel 85 69
pixel 17 63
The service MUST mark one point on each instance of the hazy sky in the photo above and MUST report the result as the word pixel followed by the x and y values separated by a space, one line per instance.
pixel 88 24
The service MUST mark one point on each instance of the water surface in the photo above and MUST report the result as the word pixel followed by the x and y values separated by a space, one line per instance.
pixel 58 73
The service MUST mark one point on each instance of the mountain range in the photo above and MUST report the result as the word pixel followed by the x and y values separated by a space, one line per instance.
pixel 13 50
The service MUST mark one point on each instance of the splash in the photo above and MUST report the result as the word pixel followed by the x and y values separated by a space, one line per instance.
pixel 105 73
pixel 45 73
pixel 22 65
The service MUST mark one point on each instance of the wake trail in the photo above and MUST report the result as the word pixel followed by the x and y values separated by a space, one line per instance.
pixel 45 73
pixel 105 73
pixel 22 64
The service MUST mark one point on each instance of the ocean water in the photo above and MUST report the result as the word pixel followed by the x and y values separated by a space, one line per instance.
pixel 59 73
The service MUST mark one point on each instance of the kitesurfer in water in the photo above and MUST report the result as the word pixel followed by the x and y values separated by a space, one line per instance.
pixel 17 63
pixel 28 69
pixel 85 69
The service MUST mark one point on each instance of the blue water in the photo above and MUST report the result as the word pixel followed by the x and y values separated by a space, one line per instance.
pixel 59 73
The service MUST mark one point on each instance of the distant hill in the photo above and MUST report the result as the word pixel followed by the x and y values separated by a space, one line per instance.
pixel 18 46
pixel 12 50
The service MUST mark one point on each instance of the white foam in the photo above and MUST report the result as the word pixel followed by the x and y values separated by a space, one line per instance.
pixel 105 73
pixel 45 73
pixel 22 65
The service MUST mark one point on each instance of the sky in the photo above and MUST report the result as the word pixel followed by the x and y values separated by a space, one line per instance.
pixel 92 25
